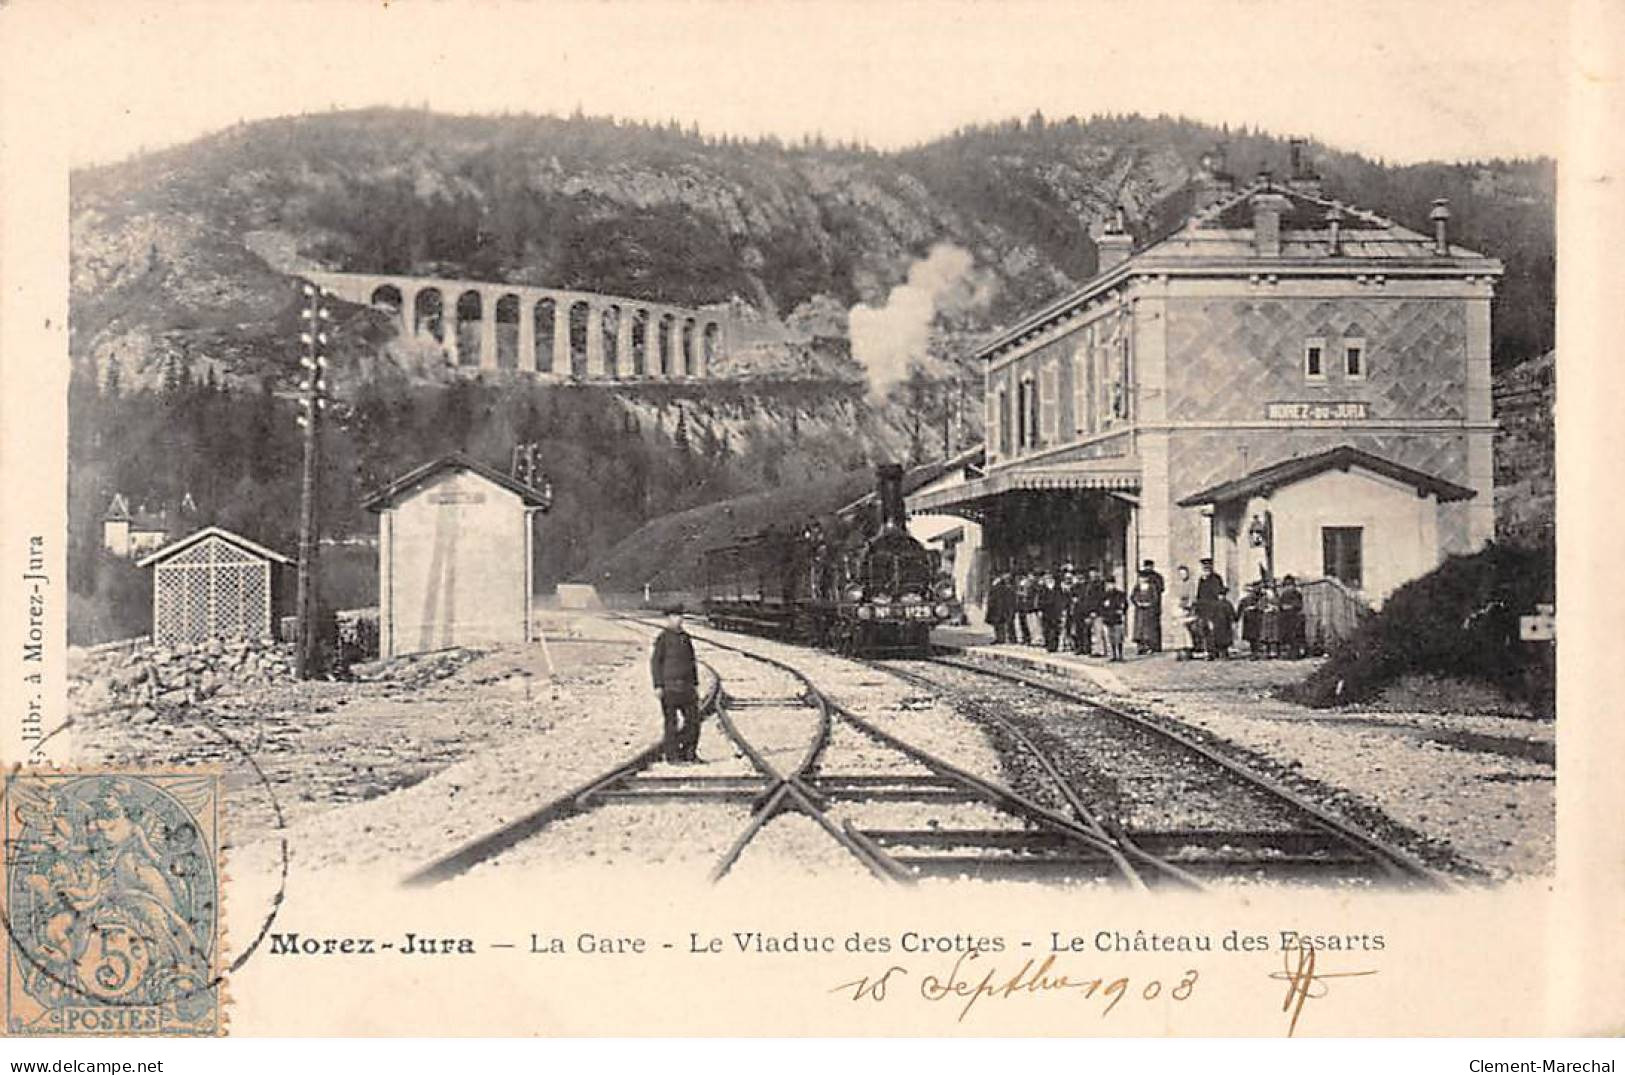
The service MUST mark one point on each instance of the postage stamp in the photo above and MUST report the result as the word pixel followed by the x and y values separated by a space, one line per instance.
pixel 112 903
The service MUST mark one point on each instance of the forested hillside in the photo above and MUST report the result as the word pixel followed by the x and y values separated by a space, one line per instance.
pixel 860 281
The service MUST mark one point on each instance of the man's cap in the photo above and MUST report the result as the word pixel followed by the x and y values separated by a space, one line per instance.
pixel 1149 564
pixel 1206 561
pixel 674 610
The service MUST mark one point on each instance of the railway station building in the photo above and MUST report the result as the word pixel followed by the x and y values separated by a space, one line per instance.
pixel 1284 383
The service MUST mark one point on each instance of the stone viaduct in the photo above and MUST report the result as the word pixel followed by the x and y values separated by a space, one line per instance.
pixel 554 334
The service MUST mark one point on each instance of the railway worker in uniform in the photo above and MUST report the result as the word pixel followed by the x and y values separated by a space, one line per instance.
pixel 1290 600
pixel 1149 570
pixel 1051 602
pixel 677 682
pixel 1147 602
pixel 1113 607
pixel 1069 583
pixel 1078 616
pixel 1094 590
pixel 1026 605
pixel 1249 613
pixel 1213 607
pixel 999 608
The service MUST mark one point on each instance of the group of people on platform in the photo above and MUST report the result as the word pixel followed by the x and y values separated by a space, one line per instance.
pixel 1082 610
pixel 1087 613
pixel 1270 615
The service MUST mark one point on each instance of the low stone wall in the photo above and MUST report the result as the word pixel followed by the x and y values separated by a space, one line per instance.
pixel 144 676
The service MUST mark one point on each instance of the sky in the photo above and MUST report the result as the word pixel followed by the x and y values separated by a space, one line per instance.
pixel 1405 81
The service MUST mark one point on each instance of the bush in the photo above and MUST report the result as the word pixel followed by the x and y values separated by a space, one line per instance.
pixel 1459 620
pixel 114 602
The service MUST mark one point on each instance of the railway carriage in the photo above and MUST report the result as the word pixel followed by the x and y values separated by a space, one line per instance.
pixel 878 596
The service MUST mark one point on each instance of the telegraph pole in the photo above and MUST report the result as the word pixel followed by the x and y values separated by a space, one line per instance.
pixel 312 401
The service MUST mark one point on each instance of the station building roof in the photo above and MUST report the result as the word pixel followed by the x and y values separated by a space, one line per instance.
pixel 1266 480
pixel 1316 234
pixel 401 487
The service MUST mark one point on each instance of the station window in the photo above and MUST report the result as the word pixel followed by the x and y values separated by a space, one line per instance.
pixel 1342 554
pixel 1003 419
pixel 1080 393
pixel 1049 403
pixel 1354 359
pixel 1027 413
pixel 1314 359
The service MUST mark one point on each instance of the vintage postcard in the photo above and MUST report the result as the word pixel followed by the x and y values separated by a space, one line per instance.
pixel 708 519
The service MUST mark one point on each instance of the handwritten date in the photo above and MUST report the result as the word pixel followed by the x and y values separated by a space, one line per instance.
pixel 961 985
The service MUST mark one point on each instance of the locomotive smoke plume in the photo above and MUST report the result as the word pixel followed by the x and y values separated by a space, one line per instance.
pixel 887 339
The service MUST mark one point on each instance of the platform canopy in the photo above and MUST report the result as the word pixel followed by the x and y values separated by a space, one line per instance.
pixel 1117 474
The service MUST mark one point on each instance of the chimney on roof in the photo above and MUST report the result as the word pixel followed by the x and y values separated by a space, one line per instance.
pixel 1441 219
pixel 1267 209
pixel 1213 183
pixel 1114 245
pixel 1302 179
pixel 1334 231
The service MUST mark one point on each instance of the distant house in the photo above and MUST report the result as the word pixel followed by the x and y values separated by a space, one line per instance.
pixel 455 541
pixel 129 533
pixel 212 584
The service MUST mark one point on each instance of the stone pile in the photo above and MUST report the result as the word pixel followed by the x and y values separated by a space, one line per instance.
pixel 416 670
pixel 146 676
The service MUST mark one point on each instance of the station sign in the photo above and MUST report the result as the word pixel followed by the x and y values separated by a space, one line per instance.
pixel 1350 411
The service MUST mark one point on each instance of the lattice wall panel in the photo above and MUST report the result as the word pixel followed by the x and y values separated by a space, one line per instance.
pixel 212 590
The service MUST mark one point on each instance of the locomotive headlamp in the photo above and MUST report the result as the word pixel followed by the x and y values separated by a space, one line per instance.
pixel 943 612
pixel 854 593
pixel 865 612
pixel 945 588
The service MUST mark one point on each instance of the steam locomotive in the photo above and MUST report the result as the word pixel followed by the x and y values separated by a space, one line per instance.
pixel 864 596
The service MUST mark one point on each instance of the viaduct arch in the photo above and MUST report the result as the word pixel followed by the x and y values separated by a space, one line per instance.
pixel 551 333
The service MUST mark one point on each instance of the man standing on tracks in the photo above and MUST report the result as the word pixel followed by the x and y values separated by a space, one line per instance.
pixel 677 681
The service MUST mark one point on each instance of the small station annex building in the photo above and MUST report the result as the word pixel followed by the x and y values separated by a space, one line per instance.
pixel 1284 383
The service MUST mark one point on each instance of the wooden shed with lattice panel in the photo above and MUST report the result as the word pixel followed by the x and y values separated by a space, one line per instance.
pixel 212 584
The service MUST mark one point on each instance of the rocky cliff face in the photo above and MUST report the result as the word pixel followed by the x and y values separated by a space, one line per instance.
pixel 190 252
pixel 1526 453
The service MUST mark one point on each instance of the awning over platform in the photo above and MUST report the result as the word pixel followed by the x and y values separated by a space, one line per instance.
pixel 1119 474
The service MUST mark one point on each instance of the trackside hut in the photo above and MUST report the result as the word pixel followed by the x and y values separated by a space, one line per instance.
pixel 455 541
pixel 213 584
pixel 1150 414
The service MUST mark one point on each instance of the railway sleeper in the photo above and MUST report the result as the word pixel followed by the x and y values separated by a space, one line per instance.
pixel 1286 841
pixel 880 794
pixel 1013 839
pixel 677 794
pixel 1084 865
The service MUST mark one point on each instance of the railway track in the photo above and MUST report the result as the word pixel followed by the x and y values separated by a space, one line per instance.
pixel 1160 793
pixel 793 775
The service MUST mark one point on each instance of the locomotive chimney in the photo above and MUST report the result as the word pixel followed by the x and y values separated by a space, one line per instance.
pixel 890 491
